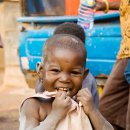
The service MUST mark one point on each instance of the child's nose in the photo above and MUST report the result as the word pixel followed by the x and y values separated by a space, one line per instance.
pixel 65 78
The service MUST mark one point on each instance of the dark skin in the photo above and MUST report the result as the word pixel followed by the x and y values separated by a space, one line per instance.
pixel 64 68
pixel 112 5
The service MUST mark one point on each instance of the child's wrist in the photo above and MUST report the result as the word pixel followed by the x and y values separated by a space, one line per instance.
pixel 55 116
pixel 91 110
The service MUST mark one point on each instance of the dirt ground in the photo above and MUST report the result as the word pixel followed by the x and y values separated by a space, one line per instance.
pixel 10 100
pixel 11 95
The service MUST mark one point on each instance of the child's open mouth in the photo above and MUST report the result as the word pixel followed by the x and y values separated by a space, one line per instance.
pixel 67 90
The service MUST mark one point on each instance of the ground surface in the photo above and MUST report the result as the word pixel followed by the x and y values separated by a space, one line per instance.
pixel 9 107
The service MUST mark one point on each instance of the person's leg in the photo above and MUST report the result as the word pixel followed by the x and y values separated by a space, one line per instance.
pixel 128 113
pixel 127 76
pixel 127 72
pixel 114 99
pixel 31 7
pixel 117 128
pixel 39 5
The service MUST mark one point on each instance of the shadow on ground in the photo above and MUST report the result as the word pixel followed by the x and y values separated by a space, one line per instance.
pixel 9 120
pixel 10 101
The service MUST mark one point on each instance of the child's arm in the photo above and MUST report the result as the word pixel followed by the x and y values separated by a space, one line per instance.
pixel 97 120
pixel 30 116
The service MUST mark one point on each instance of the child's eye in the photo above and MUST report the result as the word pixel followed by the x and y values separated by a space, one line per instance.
pixel 55 70
pixel 75 72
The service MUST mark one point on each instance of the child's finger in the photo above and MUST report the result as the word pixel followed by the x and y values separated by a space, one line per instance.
pixel 58 94
pixel 68 100
pixel 84 91
pixel 63 95
pixel 80 93
pixel 87 92
pixel 79 99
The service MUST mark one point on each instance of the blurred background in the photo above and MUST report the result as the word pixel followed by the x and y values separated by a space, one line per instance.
pixel 13 87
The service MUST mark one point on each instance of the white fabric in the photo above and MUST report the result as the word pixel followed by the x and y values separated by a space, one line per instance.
pixel 75 119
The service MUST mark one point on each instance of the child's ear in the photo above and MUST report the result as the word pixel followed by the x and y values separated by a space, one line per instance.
pixel 40 70
pixel 85 73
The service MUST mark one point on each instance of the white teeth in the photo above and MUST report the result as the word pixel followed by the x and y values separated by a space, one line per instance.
pixel 63 89
pixel 67 90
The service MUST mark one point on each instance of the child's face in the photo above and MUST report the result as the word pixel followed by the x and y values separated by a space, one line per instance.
pixel 64 71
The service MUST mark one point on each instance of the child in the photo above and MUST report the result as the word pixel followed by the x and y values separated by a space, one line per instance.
pixel 63 71
pixel 89 82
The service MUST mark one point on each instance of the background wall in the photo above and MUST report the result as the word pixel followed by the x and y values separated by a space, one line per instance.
pixel 9 11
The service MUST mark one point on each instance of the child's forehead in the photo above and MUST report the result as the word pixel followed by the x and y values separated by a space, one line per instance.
pixel 64 55
pixel 66 51
pixel 64 44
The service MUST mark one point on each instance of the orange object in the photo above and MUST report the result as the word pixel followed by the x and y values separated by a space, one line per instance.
pixel 72 7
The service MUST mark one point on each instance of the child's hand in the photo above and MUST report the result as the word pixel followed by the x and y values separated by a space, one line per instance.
pixel 61 104
pixel 85 97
